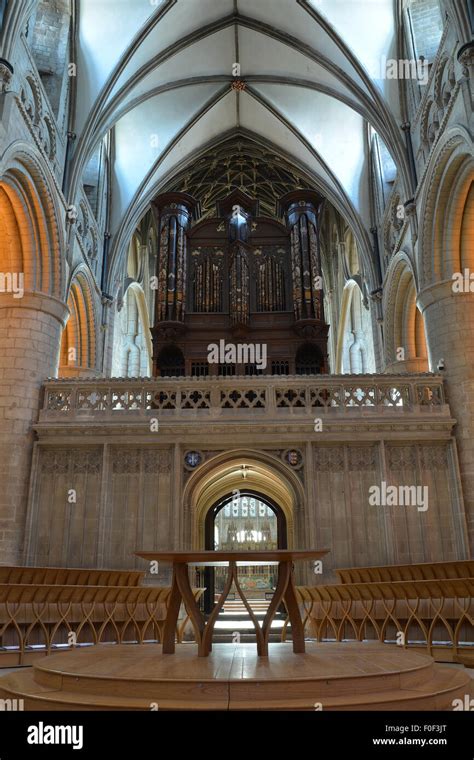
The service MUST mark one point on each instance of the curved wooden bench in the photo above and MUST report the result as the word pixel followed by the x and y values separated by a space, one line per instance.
pixel 436 607
pixel 35 619
pixel 420 571
pixel 70 576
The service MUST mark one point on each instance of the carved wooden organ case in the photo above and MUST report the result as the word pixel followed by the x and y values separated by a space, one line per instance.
pixel 239 277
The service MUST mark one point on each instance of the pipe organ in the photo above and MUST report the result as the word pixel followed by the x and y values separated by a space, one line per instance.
pixel 239 275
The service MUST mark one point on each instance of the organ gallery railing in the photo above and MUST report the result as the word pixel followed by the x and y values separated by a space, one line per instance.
pixel 264 395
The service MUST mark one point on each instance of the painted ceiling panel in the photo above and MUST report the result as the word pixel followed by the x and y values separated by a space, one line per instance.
pixel 185 17
pixel 143 134
pixel 195 61
pixel 335 131
pixel 217 121
pixel 105 31
pixel 260 55
pixel 256 118
pixel 291 19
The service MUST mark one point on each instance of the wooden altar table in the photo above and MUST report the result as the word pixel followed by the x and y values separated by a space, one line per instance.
pixel 181 591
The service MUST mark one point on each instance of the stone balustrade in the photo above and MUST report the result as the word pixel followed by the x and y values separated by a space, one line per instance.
pixel 115 398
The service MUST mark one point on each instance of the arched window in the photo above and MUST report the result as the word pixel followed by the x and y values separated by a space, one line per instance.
pixel 309 360
pixel 48 37
pixel 425 27
pixel 94 178
pixel 384 172
pixel 171 362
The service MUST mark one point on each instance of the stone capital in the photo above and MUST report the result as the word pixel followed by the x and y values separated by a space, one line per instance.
pixel 39 302
pixel 439 291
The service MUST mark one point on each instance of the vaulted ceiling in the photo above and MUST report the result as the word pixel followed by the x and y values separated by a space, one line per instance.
pixel 162 74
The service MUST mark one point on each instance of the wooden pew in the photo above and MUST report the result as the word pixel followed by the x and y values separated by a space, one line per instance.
pixel 40 606
pixel 440 609
pixel 420 571
pixel 70 576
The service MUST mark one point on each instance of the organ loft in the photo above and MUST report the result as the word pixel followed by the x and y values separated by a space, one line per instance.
pixel 239 276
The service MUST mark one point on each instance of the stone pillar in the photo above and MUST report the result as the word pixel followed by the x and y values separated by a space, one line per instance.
pixel 449 327
pixel 30 337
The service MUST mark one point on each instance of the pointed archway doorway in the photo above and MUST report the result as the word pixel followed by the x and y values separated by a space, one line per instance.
pixel 238 476
pixel 250 521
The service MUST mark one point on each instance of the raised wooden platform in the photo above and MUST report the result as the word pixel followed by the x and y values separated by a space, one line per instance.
pixel 345 676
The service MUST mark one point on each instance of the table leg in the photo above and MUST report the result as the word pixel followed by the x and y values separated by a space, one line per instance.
pixel 192 608
pixel 297 630
pixel 169 628
pixel 206 645
pixel 284 571
pixel 256 624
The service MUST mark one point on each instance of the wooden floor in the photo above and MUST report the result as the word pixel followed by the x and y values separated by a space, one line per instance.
pixel 346 676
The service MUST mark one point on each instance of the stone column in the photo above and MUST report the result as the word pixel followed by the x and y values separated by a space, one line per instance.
pixel 449 327
pixel 30 337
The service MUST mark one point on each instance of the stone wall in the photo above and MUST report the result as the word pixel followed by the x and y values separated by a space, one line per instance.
pixel 48 37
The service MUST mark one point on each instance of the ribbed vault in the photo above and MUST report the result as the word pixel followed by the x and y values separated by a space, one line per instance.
pixel 301 76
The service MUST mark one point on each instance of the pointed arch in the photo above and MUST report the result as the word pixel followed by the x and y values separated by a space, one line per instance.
pixel 354 349
pixel 446 210
pixel 79 339
pixel 404 324
pixel 222 474
pixel 31 237
pixel 132 350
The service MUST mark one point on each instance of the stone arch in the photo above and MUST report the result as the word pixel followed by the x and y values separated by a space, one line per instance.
pixel 444 211
pixel 354 320
pixel 31 236
pixel 132 337
pixel 79 339
pixel 351 253
pixel 140 204
pixel 222 474
pixel 404 325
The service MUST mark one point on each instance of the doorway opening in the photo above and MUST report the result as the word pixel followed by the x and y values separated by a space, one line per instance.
pixel 244 520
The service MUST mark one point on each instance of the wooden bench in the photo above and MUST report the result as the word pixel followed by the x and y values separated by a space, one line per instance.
pixel 40 607
pixel 70 576
pixel 418 572
pixel 441 610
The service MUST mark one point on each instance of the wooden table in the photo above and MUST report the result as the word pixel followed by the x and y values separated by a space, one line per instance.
pixel 181 592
